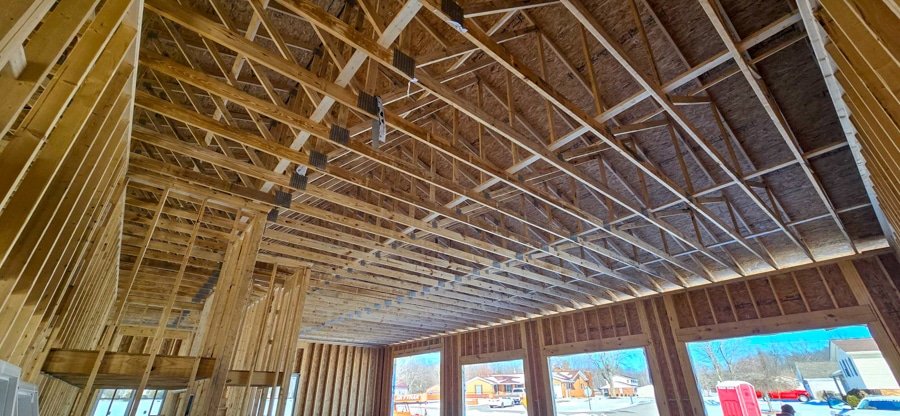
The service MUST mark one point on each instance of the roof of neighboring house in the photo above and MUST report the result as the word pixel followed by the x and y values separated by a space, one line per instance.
pixel 569 376
pixel 817 369
pixel 622 382
pixel 856 345
pixel 501 379
pixel 401 384
pixel 561 376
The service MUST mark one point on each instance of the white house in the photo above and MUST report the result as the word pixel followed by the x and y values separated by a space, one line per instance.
pixel 862 364
pixel 646 391
pixel 622 386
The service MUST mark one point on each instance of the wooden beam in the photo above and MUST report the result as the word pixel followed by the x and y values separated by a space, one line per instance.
pixel 337 28
pixel 121 370
pixel 288 69
pixel 775 115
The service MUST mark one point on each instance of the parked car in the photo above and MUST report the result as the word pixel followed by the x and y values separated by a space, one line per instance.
pixel 517 395
pixel 869 406
pixel 501 402
pixel 799 395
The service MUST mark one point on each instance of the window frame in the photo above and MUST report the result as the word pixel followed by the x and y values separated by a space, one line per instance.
pixel 628 342
pixel 466 360
pixel 430 349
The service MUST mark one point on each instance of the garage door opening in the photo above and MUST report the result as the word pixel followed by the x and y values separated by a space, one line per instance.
pixel 609 382
pixel 802 369
pixel 495 388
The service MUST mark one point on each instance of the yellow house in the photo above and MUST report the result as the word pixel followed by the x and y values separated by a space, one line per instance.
pixel 495 385
pixel 572 384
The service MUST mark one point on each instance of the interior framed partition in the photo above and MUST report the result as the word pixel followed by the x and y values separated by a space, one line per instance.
pixel 860 290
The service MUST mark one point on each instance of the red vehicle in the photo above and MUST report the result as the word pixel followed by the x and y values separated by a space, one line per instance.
pixel 799 395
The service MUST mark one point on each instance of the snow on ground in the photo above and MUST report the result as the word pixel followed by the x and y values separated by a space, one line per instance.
pixel 598 406
pixel 564 407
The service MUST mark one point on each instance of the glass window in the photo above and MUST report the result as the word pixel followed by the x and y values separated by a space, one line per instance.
pixel 610 383
pixel 118 402
pixel 113 402
pixel 494 388
pixel 800 369
pixel 416 384
pixel 273 395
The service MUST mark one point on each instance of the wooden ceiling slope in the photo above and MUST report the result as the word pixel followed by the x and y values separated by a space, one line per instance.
pixel 544 156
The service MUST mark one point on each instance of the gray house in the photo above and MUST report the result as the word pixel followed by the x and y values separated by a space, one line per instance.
pixel 816 378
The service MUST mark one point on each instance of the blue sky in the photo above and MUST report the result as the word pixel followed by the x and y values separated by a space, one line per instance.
pixel 634 359
pixel 816 338
pixel 431 358
pixel 792 342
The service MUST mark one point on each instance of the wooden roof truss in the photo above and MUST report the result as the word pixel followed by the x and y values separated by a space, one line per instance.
pixel 473 211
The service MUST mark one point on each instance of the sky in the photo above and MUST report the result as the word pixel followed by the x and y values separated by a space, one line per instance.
pixel 816 337
pixel 634 359
pixel 431 358
pixel 811 340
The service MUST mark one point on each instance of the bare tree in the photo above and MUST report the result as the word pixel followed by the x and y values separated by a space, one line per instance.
pixel 608 365
pixel 418 375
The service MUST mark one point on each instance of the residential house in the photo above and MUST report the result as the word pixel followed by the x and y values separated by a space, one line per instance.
pixel 646 391
pixel 565 384
pixel 622 386
pixel 498 384
pixel 816 378
pixel 862 365
pixel 572 384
